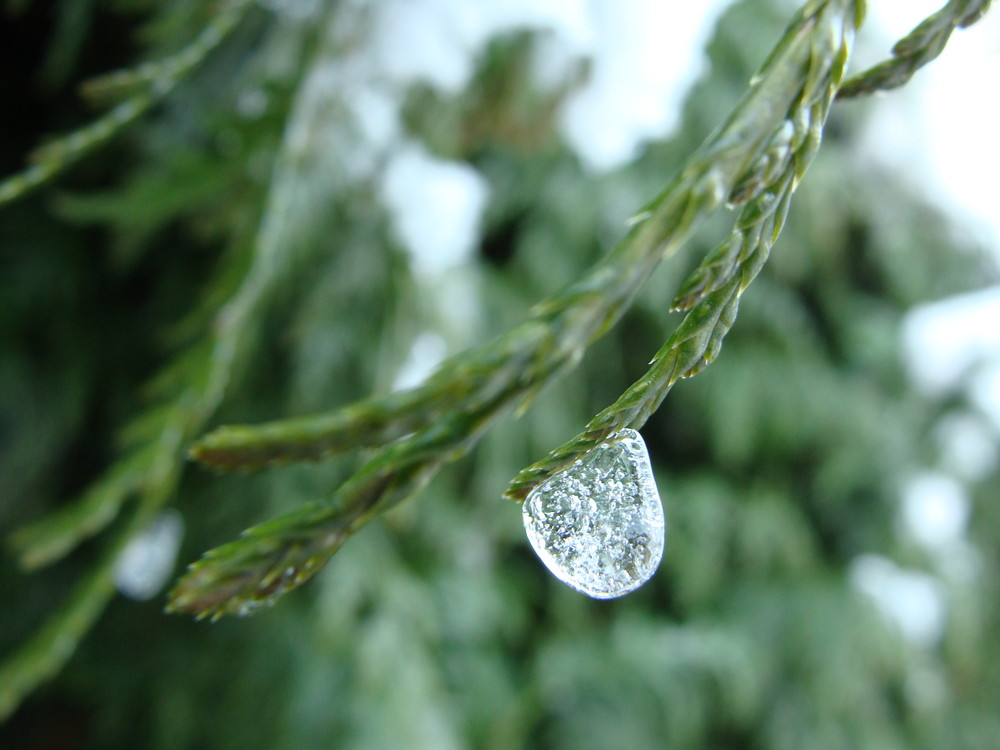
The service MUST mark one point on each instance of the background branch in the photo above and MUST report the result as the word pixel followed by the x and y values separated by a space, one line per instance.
pixel 155 81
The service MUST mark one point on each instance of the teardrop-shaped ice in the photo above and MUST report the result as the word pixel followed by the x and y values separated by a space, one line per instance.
pixel 598 525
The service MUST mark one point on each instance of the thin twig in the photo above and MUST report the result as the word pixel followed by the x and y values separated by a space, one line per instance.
pixel 916 49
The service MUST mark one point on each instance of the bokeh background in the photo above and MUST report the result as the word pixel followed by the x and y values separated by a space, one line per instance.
pixel 427 170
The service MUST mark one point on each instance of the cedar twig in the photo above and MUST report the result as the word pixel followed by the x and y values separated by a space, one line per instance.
pixel 916 49
pixel 194 383
pixel 154 80
pixel 712 292
pixel 271 559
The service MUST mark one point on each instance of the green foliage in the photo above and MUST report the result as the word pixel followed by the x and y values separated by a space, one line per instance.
pixel 756 156
pixel 151 82
pixel 917 48
pixel 273 287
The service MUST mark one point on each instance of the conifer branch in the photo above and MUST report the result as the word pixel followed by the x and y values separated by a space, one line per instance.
pixel 916 49
pixel 148 474
pixel 156 79
pixel 195 382
pixel 712 292
pixel 151 467
pixel 56 535
pixel 54 643
pixel 275 557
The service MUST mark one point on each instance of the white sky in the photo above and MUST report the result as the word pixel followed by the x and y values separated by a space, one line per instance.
pixel 940 132
pixel 942 127
pixel 910 600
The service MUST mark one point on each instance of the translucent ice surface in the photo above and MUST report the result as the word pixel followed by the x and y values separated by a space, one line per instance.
pixel 598 525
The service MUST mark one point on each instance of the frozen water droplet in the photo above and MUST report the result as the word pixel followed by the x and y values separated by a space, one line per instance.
pixel 147 561
pixel 598 525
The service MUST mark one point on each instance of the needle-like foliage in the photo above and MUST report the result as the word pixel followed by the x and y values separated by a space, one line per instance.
pixel 279 217
pixel 916 49
pixel 443 419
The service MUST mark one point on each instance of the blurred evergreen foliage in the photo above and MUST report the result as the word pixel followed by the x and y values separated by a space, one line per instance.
pixel 437 628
